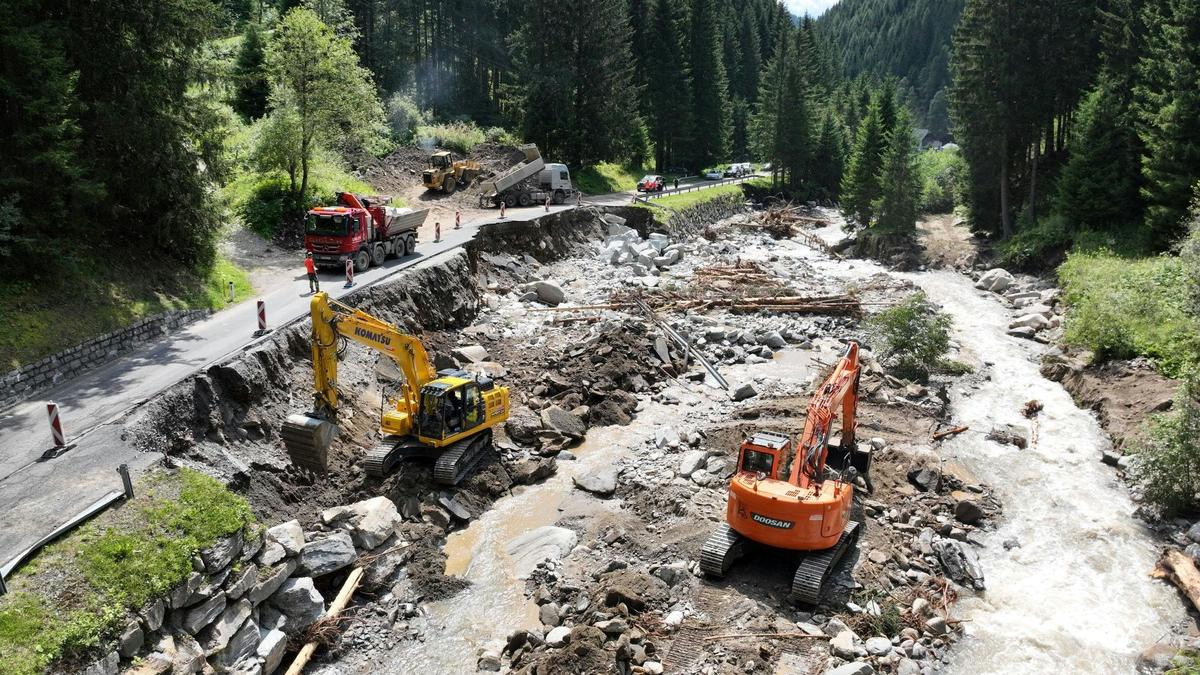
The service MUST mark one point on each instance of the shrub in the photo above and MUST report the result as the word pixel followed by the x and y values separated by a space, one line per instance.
pixel 271 204
pixel 1127 307
pixel 1189 256
pixel 404 117
pixel 943 175
pixel 911 338
pixel 1167 462
pixel 461 137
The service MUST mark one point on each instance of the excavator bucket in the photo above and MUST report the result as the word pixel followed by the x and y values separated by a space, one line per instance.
pixel 307 440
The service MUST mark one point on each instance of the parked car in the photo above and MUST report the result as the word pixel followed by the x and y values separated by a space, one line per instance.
pixel 743 169
pixel 714 174
pixel 651 184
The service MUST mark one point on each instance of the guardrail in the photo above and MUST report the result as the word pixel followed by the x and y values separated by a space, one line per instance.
pixel 646 197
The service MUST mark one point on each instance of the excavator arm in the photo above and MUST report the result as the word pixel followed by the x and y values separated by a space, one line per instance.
pixel 331 318
pixel 308 437
pixel 840 388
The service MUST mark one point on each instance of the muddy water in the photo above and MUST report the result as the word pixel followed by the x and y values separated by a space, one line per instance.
pixel 495 604
pixel 1075 596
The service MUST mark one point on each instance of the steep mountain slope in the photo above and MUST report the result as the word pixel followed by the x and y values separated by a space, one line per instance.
pixel 909 39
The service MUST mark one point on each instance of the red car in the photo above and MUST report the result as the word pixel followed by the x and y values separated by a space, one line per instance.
pixel 651 184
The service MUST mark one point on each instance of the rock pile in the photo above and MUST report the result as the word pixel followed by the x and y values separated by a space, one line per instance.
pixel 1039 310
pixel 253 590
pixel 624 246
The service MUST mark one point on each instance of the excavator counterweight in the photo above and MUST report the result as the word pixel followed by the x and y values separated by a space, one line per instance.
pixel 447 415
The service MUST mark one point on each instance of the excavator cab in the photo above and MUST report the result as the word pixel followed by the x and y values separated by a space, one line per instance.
pixel 765 454
pixel 450 406
pixel 440 160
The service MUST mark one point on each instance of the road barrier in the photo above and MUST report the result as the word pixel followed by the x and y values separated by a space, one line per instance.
pixel 349 277
pixel 262 317
pixel 56 430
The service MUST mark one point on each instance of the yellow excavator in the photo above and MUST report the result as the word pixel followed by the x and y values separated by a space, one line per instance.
pixel 446 174
pixel 446 415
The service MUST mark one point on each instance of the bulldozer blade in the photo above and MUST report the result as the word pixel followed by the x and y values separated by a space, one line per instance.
pixel 307 440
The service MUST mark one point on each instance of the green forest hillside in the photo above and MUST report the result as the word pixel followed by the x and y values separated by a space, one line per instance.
pixel 907 39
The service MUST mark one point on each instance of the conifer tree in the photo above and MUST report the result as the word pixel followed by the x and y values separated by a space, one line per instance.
pixel 861 186
pixel 670 107
pixel 710 100
pixel 829 157
pixel 896 208
pixel 250 75
pixel 1169 111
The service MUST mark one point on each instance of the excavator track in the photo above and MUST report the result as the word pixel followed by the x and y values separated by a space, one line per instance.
pixel 723 548
pixel 814 569
pixel 382 459
pixel 461 458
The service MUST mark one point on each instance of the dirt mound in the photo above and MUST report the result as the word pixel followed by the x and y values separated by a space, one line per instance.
pixel 398 171
pixel 496 156
pixel 1123 393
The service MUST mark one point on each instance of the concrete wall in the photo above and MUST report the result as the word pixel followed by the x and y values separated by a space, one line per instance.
pixel 34 378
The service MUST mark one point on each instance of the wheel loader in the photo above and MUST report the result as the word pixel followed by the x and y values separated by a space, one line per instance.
pixel 797 499
pixel 446 174
pixel 446 415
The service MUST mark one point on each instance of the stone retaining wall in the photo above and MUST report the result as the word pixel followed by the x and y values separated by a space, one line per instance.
pixel 254 591
pixel 29 380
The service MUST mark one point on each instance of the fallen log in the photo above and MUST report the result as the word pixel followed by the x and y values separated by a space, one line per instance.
pixel 949 432
pixel 1179 568
pixel 339 603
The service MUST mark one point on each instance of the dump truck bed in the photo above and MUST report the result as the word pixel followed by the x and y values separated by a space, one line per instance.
pixel 532 164
pixel 403 220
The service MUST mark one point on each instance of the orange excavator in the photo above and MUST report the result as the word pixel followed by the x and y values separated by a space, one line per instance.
pixel 798 500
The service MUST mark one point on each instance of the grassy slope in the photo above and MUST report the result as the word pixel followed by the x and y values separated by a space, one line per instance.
pixel 71 598
pixel 42 316
pixel 688 199
pixel 1124 307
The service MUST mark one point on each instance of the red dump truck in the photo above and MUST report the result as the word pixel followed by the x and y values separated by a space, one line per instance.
pixel 363 229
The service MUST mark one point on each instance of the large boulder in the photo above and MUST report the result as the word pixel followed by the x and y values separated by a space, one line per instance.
pixel 470 354
pixel 693 460
pixel 217 636
pixel 601 481
pixel 330 554
pixel 539 544
pixel 1035 322
pixel 372 520
pixel 242 644
pixel 564 422
pixel 300 603
pixel 271 649
pixel 289 535
pixel 203 614
pixel 960 562
pixel 549 293
pixel 270 579
pixel 220 554
pixel 995 280
pixel 523 425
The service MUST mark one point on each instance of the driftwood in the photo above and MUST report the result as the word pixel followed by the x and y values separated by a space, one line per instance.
pixel 339 603
pixel 1180 569
pixel 949 432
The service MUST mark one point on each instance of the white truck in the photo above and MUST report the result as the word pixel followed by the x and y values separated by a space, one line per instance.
pixel 532 181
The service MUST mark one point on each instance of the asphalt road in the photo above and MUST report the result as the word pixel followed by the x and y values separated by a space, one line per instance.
pixel 39 492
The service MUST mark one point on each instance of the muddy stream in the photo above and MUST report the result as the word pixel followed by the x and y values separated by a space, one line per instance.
pixel 1075 595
